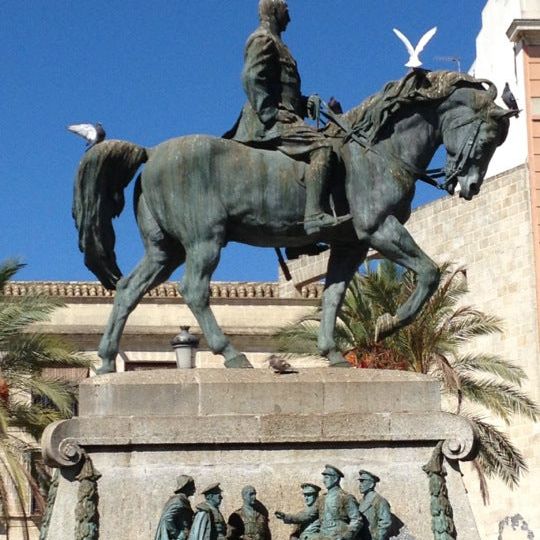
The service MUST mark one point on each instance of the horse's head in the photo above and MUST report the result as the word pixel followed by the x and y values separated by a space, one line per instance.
pixel 472 128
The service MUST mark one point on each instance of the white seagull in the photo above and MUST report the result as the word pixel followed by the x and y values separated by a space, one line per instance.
pixel 414 52
pixel 92 133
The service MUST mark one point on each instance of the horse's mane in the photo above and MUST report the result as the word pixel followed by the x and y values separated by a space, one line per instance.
pixel 368 119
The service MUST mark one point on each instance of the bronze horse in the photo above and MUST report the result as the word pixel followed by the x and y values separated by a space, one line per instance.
pixel 197 192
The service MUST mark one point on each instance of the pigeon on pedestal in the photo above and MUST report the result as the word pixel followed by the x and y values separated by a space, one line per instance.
pixel 280 365
pixel 91 133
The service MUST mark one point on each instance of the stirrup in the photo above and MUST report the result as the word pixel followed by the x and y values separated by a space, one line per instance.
pixel 314 223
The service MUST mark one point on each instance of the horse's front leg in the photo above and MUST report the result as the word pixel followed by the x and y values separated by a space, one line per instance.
pixel 393 241
pixel 343 263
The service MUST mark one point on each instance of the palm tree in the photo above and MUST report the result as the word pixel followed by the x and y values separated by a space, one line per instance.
pixel 478 384
pixel 29 400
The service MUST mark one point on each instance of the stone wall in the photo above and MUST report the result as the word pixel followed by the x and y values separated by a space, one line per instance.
pixel 492 237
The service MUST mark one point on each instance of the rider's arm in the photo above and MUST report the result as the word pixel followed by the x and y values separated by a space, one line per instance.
pixel 261 69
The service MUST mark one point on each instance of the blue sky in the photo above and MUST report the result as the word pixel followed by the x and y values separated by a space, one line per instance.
pixel 150 71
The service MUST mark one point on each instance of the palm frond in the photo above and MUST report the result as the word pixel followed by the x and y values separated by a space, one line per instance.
pixel 499 397
pixel 31 352
pixel 444 370
pixel 33 418
pixel 489 363
pixel 7 270
pixel 497 456
pixel 17 314
pixel 298 339
pixel 466 323
pixel 58 392
pixel 4 420
pixel 482 480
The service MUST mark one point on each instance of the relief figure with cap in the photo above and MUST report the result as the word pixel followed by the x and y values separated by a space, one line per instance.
pixel 306 521
pixel 374 507
pixel 209 523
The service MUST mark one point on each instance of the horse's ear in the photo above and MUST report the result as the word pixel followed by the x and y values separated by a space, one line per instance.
pixel 498 112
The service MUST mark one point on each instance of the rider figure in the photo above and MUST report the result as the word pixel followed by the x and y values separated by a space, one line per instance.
pixel 273 115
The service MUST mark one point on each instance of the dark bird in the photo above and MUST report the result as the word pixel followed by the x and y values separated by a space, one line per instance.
pixel 91 133
pixel 335 106
pixel 280 365
pixel 510 100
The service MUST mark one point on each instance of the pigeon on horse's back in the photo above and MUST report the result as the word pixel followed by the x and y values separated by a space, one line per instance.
pixel 91 133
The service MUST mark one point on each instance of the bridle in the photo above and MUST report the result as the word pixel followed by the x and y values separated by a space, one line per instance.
pixel 453 168
pixel 456 165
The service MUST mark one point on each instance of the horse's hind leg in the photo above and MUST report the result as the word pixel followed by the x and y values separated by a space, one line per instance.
pixel 161 258
pixel 343 263
pixel 201 261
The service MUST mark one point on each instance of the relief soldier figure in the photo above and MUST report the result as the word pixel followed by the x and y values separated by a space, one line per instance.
pixel 209 523
pixel 251 521
pixel 305 521
pixel 177 515
pixel 273 115
pixel 339 517
pixel 374 508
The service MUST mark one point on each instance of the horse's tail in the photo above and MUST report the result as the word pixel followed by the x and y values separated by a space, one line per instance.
pixel 104 172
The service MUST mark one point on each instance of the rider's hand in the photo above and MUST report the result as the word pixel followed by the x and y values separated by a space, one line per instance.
pixel 313 104
pixel 286 117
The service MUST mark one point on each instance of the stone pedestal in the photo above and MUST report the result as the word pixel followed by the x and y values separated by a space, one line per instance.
pixel 238 427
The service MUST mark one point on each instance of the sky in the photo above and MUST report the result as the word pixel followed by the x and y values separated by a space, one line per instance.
pixel 152 70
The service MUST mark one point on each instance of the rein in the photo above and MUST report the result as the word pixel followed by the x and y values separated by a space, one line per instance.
pixel 452 169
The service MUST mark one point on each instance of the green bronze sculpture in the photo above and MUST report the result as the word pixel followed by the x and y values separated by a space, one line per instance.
pixel 250 522
pixel 196 193
pixel 339 518
pixel 177 515
pixel 209 523
pixel 374 508
pixel 273 115
pixel 335 516
pixel 305 521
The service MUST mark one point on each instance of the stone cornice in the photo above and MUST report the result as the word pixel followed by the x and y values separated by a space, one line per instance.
pixel 89 289
pixel 524 29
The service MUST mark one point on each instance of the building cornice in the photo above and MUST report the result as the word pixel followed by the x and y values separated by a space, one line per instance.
pixel 527 30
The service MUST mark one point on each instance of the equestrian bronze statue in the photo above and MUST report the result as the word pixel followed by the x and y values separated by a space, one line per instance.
pixel 196 193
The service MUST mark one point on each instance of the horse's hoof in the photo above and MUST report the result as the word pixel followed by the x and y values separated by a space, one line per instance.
pixel 335 359
pixel 106 367
pixel 386 324
pixel 238 361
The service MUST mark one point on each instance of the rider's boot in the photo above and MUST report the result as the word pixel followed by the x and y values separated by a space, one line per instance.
pixel 317 175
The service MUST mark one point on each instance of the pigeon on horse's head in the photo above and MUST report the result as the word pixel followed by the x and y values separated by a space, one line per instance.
pixel 509 99
pixel 92 133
